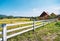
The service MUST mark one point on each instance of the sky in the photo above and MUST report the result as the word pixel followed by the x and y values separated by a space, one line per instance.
pixel 29 7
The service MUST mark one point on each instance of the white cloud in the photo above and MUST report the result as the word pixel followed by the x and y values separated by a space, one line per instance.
pixel 52 9
pixel 35 11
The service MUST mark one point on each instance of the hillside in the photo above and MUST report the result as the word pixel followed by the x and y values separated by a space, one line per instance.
pixel 3 16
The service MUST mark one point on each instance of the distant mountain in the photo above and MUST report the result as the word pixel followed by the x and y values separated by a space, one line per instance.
pixel 3 16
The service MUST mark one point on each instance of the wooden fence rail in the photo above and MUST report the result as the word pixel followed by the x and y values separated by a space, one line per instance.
pixel 33 27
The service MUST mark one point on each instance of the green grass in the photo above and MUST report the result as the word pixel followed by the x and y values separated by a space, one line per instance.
pixel 16 20
pixel 50 32
pixel 17 26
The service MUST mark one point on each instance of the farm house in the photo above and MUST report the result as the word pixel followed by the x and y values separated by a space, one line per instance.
pixel 58 17
pixel 44 15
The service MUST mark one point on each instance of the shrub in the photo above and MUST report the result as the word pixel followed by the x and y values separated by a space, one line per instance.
pixel 58 24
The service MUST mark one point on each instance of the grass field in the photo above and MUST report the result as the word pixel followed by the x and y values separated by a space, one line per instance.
pixel 8 21
pixel 50 32
pixel 12 21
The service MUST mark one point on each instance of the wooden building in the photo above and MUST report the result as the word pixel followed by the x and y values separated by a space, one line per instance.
pixel 44 16
pixel 58 17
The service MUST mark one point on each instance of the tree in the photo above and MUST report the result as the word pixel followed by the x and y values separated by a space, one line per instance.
pixel 52 15
pixel 9 17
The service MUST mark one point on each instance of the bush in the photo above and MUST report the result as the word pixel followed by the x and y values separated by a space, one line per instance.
pixel 58 24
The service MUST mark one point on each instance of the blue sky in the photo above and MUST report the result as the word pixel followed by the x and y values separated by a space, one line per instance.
pixel 28 7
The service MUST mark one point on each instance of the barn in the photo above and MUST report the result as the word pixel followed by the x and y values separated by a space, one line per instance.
pixel 58 17
pixel 44 16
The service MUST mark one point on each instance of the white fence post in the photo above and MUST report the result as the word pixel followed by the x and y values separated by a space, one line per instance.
pixel 48 21
pixel 4 32
pixel 33 25
pixel 43 23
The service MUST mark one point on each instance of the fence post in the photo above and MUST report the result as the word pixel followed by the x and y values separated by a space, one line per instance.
pixel 48 21
pixel 33 25
pixel 4 32
pixel 43 23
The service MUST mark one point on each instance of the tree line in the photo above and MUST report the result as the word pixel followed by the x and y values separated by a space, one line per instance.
pixel 31 18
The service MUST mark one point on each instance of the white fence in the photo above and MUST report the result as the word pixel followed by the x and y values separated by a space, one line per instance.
pixel 34 26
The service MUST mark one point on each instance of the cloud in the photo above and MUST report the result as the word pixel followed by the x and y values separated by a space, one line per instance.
pixel 52 9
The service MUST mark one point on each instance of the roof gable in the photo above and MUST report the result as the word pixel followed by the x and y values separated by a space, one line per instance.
pixel 43 14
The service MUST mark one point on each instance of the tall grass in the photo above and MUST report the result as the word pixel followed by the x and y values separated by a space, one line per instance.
pixel 8 21
pixel 50 32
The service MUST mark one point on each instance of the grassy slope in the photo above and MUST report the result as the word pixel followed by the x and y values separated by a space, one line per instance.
pixel 16 20
pixel 12 27
pixel 50 32
pixel 8 21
